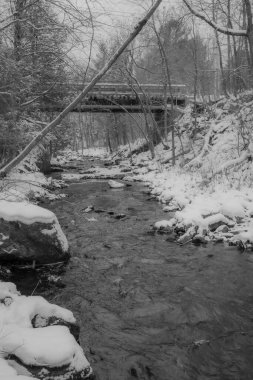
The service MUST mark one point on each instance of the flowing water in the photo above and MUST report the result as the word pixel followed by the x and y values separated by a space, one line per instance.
pixel 148 308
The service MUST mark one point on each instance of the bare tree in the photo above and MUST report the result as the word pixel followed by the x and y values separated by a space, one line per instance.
pixel 246 32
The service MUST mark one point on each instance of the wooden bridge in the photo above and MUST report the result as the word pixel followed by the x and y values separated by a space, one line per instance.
pixel 120 97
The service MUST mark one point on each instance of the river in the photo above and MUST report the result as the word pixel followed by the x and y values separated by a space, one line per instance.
pixel 149 308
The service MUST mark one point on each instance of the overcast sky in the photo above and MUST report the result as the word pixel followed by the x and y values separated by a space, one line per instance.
pixel 111 16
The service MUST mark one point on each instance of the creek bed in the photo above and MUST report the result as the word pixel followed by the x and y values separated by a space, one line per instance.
pixel 148 308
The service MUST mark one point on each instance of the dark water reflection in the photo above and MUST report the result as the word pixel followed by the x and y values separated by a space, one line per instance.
pixel 150 309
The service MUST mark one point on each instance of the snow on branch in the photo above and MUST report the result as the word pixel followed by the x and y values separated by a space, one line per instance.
pixel 218 28
pixel 232 163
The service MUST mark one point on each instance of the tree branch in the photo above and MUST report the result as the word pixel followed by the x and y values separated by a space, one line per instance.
pixel 218 28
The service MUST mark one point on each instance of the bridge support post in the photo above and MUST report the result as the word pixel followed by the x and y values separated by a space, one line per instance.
pixel 159 118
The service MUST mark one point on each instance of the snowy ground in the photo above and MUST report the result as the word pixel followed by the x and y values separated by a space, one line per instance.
pixel 209 191
pixel 26 183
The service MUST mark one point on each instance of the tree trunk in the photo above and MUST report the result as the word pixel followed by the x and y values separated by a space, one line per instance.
pixel 18 33
pixel 248 9
pixel 223 79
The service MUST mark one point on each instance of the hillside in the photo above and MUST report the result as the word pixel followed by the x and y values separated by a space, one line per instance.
pixel 209 191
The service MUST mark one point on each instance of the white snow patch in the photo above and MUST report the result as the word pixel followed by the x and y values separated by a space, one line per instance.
pixel 115 184
pixel 24 212
pixel 162 224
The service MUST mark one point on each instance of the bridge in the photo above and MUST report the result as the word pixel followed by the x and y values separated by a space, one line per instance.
pixel 120 97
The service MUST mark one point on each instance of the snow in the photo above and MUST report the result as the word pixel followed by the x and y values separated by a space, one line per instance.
pixel 51 346
pixel 25 212
pixel 56 348
pixel 162 224
pixel 115 184
pixel 218 218
pixel 9 373
pixel 247 236
pixel 22 311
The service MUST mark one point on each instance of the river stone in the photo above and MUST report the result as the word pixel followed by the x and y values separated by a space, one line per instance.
pixel 218 220
pixel 24 243
pixel 199 239
pixel 223 228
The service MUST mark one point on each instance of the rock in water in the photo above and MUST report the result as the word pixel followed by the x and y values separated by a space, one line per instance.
pixel 30 233
pixel 88 209
pixel 115 184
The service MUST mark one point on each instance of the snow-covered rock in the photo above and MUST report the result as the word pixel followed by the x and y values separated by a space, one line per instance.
pixel 217 220
pixel 116 184
pixel 30 232
pixel 49 352
pixel 164 225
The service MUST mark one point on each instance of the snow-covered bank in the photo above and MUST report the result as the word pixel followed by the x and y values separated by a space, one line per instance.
pixel 209 190
pixel 217 213
pixel 24 345
pixel 35 340
pixel 25 182
pixel 29 232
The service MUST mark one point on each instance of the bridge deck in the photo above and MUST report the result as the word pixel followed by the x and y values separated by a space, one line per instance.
pixel 120 97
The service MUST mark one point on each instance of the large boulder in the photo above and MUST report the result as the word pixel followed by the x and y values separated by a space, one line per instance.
pixel 30 233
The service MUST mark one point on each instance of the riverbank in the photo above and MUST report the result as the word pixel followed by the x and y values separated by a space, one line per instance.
pixel 37 339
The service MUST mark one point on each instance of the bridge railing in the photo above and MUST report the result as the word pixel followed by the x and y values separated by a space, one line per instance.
pixel 114 96
pixel 122 89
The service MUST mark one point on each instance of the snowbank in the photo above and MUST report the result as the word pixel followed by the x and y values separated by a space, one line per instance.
pixel 210 188
pixel 45 347
pixel 25 182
